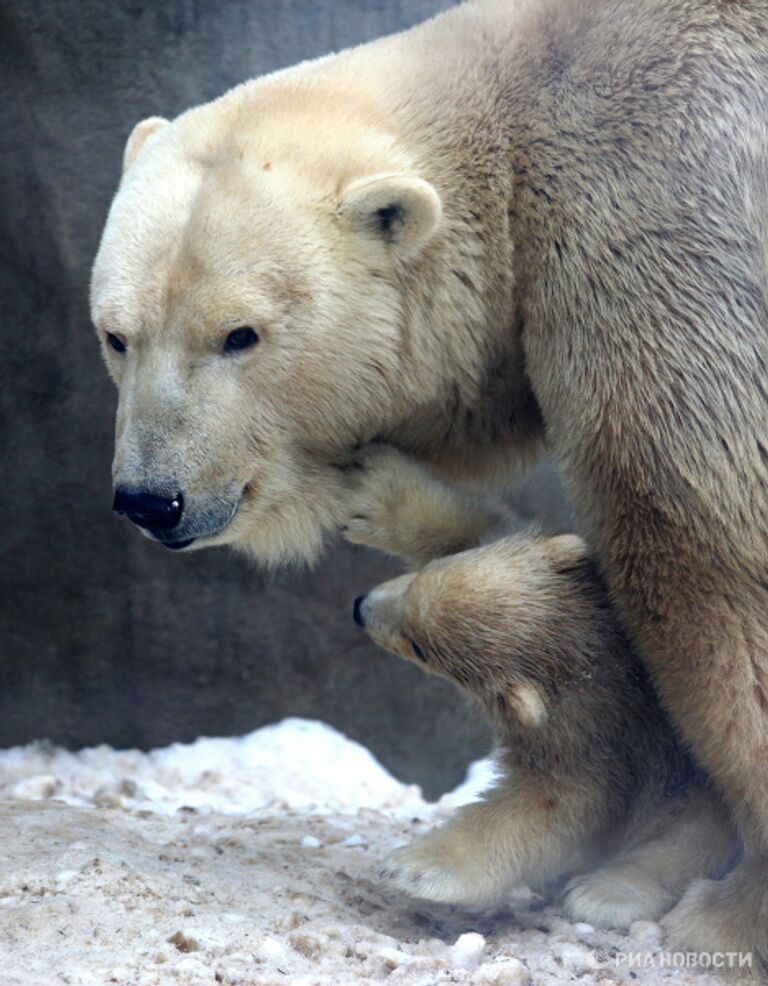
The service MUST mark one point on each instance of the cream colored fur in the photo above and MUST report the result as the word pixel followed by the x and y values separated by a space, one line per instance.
pixel 225 218
pixel 594 276
pixel 592 775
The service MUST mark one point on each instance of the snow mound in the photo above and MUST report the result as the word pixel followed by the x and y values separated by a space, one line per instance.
pixel 255 862
pixel 297 763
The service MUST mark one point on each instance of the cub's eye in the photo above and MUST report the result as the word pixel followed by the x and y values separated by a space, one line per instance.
pixel 240 339
pixel 418 651
pixel 116 342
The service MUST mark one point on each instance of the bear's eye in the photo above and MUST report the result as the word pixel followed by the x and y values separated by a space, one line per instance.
pixel 240 339
pixel 418 651
pixel 116 342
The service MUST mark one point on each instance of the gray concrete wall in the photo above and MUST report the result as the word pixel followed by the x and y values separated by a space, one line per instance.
pixel 105 637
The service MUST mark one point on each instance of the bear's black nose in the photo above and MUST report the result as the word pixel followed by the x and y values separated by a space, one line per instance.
pixel 357 612
pixel 156 513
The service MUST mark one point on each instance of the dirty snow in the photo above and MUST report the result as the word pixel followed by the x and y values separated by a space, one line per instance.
pixel 253 862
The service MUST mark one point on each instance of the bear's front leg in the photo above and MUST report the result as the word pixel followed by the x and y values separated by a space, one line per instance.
pixel 397 505
pixel 707 648
pixel 726 916
pixel 531 832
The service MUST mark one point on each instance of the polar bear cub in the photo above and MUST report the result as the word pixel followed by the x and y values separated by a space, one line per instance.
pixel 594 785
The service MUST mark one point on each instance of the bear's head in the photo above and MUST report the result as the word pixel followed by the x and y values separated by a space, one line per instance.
pixel 279 282
pixel 505 622
pixel 249 293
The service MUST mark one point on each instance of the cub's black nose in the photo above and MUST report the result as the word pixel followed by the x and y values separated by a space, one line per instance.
pixel 148 510
pixel 357 611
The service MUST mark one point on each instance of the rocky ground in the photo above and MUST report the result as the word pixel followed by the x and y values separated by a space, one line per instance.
pixel 254 862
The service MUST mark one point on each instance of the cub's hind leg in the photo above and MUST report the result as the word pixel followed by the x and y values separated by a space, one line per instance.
pixel 696 839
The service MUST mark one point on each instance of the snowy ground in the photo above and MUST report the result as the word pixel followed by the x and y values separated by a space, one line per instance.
pixel 253 862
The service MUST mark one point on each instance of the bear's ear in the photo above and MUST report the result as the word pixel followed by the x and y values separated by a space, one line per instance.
pixel 139 136
pixel 565 551
pixel 400 211
pixel 527 703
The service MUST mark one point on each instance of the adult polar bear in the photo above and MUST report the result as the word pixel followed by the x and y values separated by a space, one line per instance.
pixel 542 218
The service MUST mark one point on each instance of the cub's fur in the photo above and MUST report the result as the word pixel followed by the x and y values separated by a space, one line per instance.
pixel 592 772
pixel 524 221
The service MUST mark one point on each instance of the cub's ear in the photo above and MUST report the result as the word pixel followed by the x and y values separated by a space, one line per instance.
pixel 565 551
pixel 527 703
pixel 400 211
pixel 139 136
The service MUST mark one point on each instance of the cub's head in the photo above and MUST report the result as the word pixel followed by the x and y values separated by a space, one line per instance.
pixel 499 621
pixel 249 294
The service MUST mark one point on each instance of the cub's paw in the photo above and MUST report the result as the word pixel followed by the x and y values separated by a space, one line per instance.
pixel 616 896
pixel 430 870
pixel 384 498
